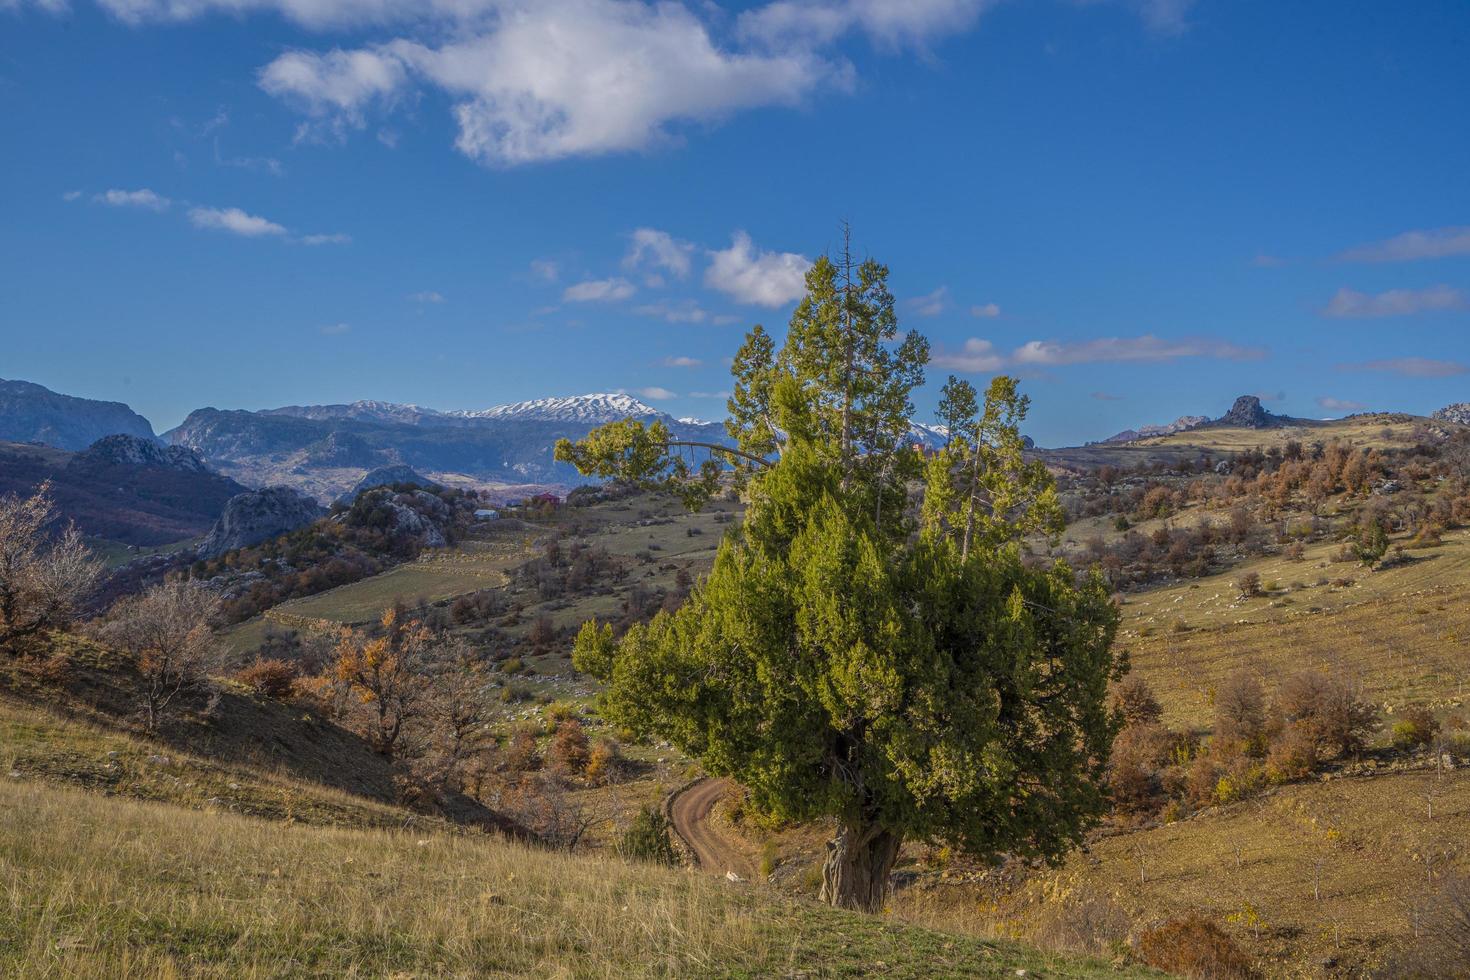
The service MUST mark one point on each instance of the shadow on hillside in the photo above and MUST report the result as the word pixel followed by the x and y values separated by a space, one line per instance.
pixel 233 727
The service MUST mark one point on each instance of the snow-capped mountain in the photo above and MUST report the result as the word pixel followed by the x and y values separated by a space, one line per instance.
pixel 362 411
pixel 596 409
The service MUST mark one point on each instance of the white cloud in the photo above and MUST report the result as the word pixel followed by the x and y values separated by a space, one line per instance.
pixel 749 275
pixel 930 304
pixel 1396 302
pixel 71 195
pixel 682 362
pixel 980 355
pixel 533 80
pixel 709 394
pixel 1434 243
pixel 788 23
pixel 660 250
pixel 656 394
pixel 1146 347
pixel 679 311
pixel 1339 404
pixel 1162 16
pixel 427 297
pixel 143 198
pixel 598 291
pixel 1410 367
pixel 547 270
pixel 976 356
pixel 336 329
pixel 551 79
pixel 337 238
pixel 985 311
pixel 334 88
pixel 234 221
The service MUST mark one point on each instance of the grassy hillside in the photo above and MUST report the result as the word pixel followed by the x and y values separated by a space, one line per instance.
pixel 108 887
pixel 1374 431
pixel 1400 630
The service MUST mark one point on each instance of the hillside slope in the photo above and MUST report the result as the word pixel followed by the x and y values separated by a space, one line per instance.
pixel 118 500
pixel 108 887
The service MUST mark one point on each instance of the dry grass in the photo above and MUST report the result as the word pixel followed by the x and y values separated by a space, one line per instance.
pixel 1311 872
pixel 1399 631
pixel 98 887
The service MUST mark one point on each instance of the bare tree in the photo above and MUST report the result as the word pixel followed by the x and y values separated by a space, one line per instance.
pixel 462 743
pixel 168 631
pixel 42 581
pixel 384 678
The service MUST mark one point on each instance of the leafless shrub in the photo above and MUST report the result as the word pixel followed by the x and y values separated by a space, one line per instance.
pixel 42 581
pixel 168 633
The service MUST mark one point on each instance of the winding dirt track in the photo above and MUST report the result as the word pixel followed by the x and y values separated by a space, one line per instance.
pixel 689 814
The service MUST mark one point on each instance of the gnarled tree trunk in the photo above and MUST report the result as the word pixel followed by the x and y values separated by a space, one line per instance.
pixel 859 860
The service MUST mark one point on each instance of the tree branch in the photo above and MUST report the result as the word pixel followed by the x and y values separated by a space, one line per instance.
pixel 717 448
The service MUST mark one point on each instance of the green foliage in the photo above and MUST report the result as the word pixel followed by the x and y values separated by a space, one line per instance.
pixel 647 838
pixel 850 655
pixel 1372 544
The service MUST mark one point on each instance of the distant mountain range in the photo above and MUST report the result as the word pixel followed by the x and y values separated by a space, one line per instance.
pixel 324 449
pixel 31 413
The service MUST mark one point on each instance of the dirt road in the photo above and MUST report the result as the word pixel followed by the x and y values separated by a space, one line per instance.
pixel 689 814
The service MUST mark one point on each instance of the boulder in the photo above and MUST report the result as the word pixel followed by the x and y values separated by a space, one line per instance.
pixel 253 517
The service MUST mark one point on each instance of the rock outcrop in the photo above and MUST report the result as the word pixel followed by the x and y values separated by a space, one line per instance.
pixel 128 450
pixel 253 517
pixel 386 476
pixel 1247 413
pixel 1458 412
pixel 31 413
pixel 1182 424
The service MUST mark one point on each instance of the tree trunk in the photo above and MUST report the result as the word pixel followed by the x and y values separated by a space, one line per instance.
pixel 859 859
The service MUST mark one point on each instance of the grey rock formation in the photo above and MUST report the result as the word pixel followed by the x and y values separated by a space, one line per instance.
pixel 1247 413
pixel 127 450
pixel 387 476
pixel 1458 412
pixel 31 413
pixel 250 518
pixel 1182 424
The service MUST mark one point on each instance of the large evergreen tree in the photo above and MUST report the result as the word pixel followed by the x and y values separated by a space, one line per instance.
pixel 869 645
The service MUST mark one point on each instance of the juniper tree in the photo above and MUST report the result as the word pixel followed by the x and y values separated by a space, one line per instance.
pixel 854 653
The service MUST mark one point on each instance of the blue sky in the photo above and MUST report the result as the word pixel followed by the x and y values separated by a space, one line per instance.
pixel 1143 207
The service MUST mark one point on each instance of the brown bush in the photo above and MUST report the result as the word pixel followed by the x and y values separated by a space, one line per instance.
pixel 522 755
pixel 1136 702
pixel 1293 755
pixel 1240 713
pixel 1193 946
pixel 604 762
pixel 1416 728
pixel 1249 584
pixel 569 751
pixel 273 678
pixel 1330 709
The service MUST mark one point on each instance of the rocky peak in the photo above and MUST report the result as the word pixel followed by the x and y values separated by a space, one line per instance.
pixel 129 450
pixel 386 476
pixel 253 517
pixel 1247 413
